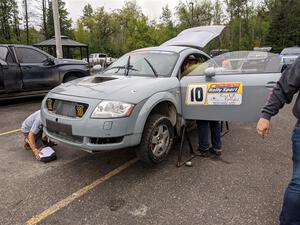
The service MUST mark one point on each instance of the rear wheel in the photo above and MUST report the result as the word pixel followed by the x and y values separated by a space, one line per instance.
pixel 157 140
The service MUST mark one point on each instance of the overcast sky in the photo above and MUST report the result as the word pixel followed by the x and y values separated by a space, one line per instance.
pixel 151 8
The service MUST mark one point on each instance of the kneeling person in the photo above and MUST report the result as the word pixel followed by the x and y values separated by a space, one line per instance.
pixel 32 129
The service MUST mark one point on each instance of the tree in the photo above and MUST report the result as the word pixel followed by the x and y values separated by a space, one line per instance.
pixel 199 13
pixel 9 21
pixel 165 30
pixel 87 11
pixel 284 28
pixel 44 24
pixel 218 16
pixel 65 21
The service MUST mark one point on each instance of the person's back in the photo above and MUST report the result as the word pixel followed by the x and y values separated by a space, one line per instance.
pixel 32 123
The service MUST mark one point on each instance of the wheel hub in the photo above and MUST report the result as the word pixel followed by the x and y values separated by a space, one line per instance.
pixel 160 140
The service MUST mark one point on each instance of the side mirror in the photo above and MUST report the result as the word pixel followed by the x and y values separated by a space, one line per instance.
pixel 49 62
pixel 210 72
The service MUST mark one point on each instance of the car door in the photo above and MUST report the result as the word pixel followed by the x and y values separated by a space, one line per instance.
pixel 229 94
pixel 10 72
pixel 37 73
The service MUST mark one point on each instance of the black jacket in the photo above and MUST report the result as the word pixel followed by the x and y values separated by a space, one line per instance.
pixel 287 86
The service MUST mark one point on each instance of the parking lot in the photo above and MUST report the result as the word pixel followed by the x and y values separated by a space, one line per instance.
pixel 245 186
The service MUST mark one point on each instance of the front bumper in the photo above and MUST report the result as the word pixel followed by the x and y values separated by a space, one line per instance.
pixel 86 133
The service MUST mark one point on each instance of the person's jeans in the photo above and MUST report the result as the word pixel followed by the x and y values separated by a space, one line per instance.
pixel 203 129
pixel 290 214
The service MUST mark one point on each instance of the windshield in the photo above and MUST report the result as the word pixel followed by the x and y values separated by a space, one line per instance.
pixel 291 51
pixel 240 62
pixel 144 63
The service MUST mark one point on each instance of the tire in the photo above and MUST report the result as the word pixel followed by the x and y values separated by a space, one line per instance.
pixel 70 78
pixel 157 140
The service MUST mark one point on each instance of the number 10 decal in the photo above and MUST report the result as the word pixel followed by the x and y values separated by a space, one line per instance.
pixel 196 94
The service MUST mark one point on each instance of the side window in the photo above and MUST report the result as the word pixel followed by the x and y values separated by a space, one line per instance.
pixel 6 56
pixel 9 58
pixel 27 55
pixel 193 62
pixel 3 53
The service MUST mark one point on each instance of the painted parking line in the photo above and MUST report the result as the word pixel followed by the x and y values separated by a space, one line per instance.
pixel 63 203
pixel 10 132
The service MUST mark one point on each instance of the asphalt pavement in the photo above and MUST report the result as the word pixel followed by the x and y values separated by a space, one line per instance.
pixel 244 186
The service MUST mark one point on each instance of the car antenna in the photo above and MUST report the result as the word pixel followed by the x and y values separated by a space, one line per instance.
pixel 127 66
pixel 154 71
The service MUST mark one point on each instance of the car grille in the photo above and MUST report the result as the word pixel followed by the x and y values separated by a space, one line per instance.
pixel 62 131
pixel 67 108
pixel 103 141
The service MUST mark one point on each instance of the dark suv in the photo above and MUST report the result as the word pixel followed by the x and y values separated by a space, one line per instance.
pixel 26 70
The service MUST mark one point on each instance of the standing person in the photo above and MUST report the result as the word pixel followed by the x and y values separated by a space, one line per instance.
pixel 203 134
pixel 32 130
pixel 286 88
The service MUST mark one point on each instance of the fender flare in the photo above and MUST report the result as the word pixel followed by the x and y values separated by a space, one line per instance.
pixel 76 71
pixel 150 104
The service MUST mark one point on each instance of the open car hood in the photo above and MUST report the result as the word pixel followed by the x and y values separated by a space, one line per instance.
pixel 196 37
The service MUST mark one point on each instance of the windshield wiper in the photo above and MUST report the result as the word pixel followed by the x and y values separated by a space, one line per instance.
pixel 120 67
pixel 154 71
pixel 127 67
pixel 115 67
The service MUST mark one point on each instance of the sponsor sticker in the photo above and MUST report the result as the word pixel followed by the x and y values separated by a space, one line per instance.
pixel 214 94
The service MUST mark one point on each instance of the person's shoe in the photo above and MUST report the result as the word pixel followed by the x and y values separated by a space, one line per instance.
pixel 215 151
pixel 203 153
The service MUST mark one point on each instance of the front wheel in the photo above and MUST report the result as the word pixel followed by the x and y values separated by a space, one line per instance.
pixel 157 140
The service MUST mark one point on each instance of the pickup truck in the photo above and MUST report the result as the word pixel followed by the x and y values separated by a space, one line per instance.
pixel 100 59
pixel 26 70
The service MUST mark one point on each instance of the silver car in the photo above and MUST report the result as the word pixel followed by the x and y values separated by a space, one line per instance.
pixel 145 97
pixel 289 55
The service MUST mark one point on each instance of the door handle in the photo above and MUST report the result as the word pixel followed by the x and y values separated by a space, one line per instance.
pixel 270 84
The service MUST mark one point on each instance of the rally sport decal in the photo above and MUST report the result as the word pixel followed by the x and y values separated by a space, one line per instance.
pixel 214 94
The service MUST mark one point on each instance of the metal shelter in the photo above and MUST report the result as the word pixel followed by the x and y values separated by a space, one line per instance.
pixel 67 44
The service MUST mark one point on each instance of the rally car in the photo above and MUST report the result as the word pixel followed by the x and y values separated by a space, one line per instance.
pixel 144 98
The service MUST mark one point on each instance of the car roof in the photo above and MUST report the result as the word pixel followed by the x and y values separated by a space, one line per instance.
pixel 17 45
pixel 292 47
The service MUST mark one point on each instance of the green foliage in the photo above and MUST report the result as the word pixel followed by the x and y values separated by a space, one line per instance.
pixel 249 23
pixel 9 21
pixel 284 28
pixel 65 21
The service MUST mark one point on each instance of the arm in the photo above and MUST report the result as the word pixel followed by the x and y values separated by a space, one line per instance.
pixel 31 139
pixel 287 86
pixel 35 129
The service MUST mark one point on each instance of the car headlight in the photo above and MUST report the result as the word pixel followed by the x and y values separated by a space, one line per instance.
pixel 112 109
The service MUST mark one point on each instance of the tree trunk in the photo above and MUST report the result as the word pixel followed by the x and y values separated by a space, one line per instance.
pixel 44 17
pixel 26 21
